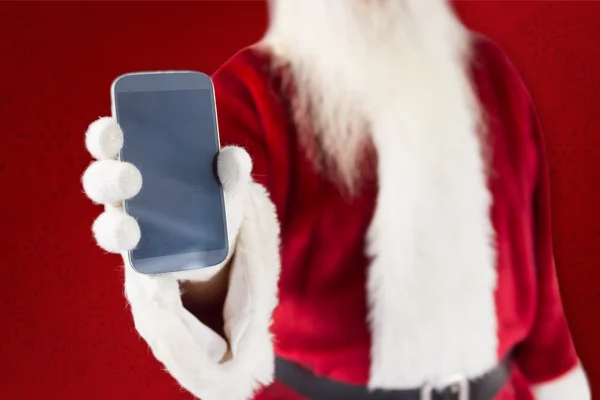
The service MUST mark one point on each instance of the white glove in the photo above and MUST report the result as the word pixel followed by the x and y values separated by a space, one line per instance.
pixel 197 357
pixel 109 182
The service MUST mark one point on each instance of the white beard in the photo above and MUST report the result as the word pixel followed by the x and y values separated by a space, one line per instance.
pixel 395 73
pixel 353 60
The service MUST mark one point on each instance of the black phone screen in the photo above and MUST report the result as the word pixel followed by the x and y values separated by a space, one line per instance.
pixel 171 137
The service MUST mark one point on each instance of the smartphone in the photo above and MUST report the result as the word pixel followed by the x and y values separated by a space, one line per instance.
pixel 170 132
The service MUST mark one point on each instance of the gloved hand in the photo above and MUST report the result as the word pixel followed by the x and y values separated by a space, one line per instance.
pixel 202 361
pixel 108 181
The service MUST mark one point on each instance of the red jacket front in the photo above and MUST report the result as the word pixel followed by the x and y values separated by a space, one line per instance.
pixel 323 320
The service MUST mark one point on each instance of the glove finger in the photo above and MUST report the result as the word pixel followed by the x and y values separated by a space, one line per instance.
pixel 104 138
pixel 116 232
pixel 234 166
pixel 111 181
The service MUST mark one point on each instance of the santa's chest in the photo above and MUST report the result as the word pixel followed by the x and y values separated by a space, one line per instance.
pixel 426 206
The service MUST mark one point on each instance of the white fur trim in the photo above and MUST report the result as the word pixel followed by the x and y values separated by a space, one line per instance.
pixel 194 355
pixel 433 276
pixel 571 386
pixel 432 280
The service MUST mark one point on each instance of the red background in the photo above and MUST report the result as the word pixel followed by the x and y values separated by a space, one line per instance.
pixel 65 331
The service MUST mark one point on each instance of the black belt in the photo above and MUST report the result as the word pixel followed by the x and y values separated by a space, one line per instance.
pixel 305 383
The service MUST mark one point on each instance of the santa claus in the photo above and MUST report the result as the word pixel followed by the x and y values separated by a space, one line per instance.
pixel 388 210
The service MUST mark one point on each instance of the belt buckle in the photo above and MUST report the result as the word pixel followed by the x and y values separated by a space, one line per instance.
pixel 457 384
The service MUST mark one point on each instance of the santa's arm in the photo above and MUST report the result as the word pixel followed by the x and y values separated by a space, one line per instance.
pixel 191 352
pixel 547 357
pixel 207 365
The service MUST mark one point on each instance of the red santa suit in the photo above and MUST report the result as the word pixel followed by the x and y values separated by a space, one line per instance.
pixel 438 262
pixel 322 319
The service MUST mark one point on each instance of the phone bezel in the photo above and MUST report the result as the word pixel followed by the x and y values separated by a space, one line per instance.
pixel 161 81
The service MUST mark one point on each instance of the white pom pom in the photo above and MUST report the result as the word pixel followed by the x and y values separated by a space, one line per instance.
pixel 104 138
pixel 111 181
pixel 116 231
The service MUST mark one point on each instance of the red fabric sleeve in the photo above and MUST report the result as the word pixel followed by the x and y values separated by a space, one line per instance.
pixel 253 115
pixel 238 117
pixel 548 350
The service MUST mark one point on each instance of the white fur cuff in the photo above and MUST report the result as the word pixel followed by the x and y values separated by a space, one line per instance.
pixel 572 386
pixel 193 354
